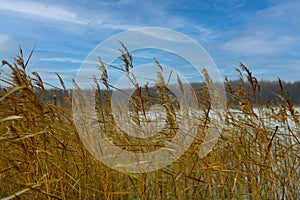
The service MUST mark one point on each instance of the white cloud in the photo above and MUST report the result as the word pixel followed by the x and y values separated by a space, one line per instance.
pixel 9 47
pixel 270 31
pixel 112 25
pixel 70 60
pixel 39 9
pixel 60 59
pixel 228 5
pixel 286 11
pixel 59 13
pixel 162 34
pixel 252 45
pixel 4 39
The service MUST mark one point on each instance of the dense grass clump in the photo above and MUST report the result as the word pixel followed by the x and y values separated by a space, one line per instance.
pixel 42 156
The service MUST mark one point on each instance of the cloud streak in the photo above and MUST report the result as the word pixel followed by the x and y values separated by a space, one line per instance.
pixel 251 45
pixel 60 59
pixel 38 9
pixel 3 39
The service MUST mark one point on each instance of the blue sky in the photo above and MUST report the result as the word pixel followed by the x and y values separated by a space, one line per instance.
pixel 264 35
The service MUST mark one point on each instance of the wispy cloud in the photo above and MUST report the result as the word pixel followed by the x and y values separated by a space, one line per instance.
pixel 112 25
pixel 60 59
pixel 8 46
pixel 251 45
pixel 269 31
pixel 230 5
pixel 3 39
pixel 60 13
pixel 162 34
pixel 50 11
pixel 287 11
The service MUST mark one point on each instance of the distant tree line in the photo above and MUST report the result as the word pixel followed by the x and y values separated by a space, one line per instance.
pixel 269 92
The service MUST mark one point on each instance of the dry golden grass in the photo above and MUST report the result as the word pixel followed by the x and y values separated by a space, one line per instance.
pixel 42 156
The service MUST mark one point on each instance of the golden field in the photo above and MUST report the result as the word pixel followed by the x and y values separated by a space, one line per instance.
pixel 42 156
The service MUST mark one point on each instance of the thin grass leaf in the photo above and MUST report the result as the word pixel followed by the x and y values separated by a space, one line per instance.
pixel 14 117
pixel 15 89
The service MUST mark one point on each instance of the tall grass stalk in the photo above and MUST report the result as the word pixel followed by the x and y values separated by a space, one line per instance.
pixel 42 156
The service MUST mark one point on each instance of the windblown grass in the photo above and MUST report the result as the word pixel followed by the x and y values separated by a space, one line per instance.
pixel 42 156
